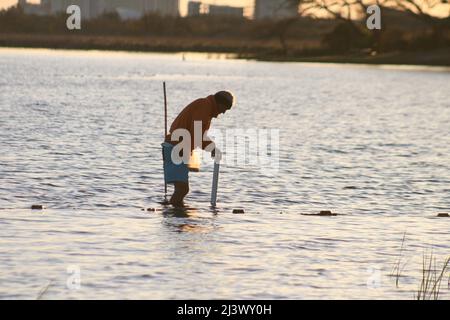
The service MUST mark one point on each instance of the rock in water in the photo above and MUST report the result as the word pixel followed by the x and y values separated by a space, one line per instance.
pixel 326 213
pixel 37 207
pixel 238 211
pixel 443 215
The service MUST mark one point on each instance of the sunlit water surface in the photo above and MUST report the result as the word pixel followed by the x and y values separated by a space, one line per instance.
pixel 80 133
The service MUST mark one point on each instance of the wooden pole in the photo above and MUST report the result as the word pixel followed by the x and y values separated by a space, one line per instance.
pixel 165 132
pixel 165 110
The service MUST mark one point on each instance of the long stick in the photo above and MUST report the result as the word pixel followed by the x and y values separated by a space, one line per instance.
pixel 165 130
pixel 215 184
pixel 165 110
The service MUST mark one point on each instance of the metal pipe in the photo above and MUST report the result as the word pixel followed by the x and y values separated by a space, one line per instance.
pixel 165 133
pixel 215 184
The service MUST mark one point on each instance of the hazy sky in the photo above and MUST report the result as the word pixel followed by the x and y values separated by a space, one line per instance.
pixel 247 4
pixel 183 3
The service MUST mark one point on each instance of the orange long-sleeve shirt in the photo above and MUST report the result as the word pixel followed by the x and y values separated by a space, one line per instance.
pixel 203 110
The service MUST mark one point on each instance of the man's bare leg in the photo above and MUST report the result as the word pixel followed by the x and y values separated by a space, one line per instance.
pixel 181 190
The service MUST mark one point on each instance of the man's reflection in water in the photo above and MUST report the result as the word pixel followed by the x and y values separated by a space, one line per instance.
pixel 187 219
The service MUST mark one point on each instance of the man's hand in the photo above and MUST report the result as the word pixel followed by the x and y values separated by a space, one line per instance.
pixel 216 154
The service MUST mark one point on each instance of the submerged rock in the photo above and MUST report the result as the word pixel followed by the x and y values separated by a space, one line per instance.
pixel 324 213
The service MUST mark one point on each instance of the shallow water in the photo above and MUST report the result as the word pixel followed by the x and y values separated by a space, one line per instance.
pixel 81 131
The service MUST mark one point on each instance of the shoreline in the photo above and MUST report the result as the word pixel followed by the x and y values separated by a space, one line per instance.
pixel 438 58
pixel 230 48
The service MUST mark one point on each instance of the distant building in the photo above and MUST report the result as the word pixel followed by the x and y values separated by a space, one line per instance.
pixel 163 7
pixel 135 9
pixel 127 9
pixel 275 9
pixel 194 8
pixel 124 8
pixel 89 8
pixel 226 11
pixel 29 8
pixel 128 14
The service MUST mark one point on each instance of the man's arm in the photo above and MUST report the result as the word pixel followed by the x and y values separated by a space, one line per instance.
pixel 206 140
pixel 208 144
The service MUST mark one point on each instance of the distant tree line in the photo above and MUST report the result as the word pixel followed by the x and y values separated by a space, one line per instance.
pixel 399 16
pixel 339 25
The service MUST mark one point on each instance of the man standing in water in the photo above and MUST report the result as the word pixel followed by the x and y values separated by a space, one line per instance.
pixel 195 119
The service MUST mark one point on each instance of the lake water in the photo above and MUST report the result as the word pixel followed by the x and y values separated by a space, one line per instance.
pixel 80 133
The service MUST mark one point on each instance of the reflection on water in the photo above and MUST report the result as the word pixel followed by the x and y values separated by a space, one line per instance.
pixel 184 220
pixel 80 133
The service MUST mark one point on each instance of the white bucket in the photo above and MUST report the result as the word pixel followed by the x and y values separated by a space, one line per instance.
pixel 194 161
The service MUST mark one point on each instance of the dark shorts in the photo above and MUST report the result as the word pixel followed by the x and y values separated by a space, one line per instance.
pixel 173 172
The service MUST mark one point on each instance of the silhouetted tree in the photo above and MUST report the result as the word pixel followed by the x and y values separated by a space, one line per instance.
pixel 421 10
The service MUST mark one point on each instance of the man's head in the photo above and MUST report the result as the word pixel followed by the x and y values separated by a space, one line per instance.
pixel 224 100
